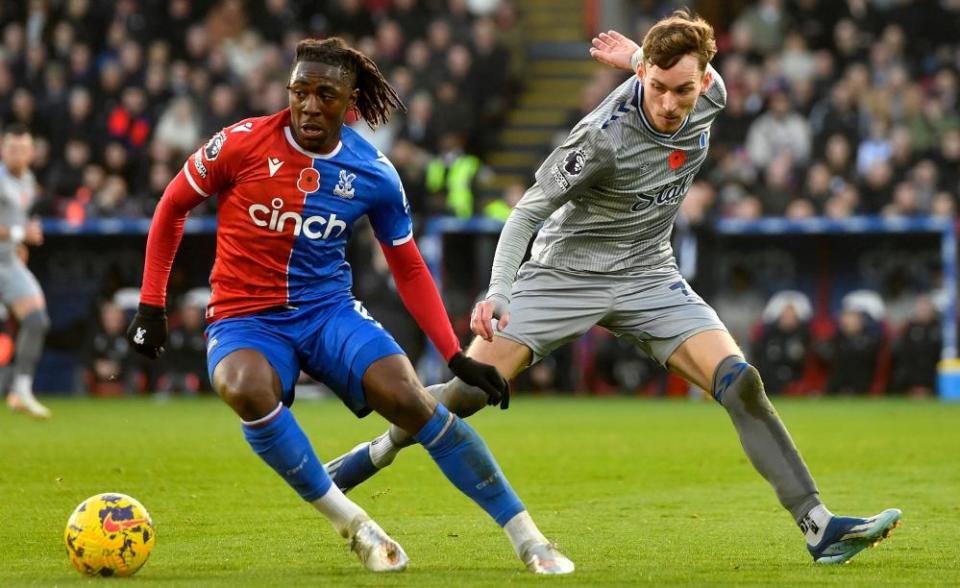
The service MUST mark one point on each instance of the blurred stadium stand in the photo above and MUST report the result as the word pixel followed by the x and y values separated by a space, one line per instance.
pixel 837 110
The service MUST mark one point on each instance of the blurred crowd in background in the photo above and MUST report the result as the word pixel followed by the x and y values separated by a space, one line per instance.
pixel 119 93
pixel 835 108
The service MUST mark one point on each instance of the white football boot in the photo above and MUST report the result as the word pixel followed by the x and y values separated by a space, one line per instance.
pixel 545 559
pixel 27 403
pixel 377 551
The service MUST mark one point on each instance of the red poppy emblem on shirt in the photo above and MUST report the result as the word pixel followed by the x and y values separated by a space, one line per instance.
pixel 676 159
pixel 309 180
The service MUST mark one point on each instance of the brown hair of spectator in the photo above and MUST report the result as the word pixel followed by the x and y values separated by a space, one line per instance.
pixel 376 95
pixel 677 35
pixel 16 129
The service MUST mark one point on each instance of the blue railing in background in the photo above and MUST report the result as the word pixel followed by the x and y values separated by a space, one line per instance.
pixel 431 243
pixel 432 368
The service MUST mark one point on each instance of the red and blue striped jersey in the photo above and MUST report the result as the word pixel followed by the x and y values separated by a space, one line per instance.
pixel 285 214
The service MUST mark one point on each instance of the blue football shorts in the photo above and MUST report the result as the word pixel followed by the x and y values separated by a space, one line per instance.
pixel 333 341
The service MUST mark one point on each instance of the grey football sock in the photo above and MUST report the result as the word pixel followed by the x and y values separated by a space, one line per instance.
pixel 29 346
pixel 462 399
pixel 737 386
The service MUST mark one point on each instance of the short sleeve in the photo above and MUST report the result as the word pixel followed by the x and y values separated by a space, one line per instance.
pixel 585 157
pixel 213 167
pixel 390 213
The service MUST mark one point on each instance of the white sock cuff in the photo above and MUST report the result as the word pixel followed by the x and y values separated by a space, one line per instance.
pixel 382 450
pixel 521 529
pixel 339 510
pixel 264 419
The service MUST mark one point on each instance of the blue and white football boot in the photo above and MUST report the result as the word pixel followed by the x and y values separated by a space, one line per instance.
pixel 845 537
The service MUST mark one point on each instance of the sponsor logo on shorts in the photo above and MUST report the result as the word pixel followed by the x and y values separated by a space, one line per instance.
pixel 213 147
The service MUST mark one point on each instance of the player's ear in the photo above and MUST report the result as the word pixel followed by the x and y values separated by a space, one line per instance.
pixel 640 70
pixel 707 81
pixel 354 96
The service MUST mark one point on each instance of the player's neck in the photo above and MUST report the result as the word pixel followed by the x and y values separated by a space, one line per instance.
pixel 651 120
pixel 324 149
pixel 17 172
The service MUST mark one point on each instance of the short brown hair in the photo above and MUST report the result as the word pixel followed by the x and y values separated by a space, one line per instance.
pixel 677 35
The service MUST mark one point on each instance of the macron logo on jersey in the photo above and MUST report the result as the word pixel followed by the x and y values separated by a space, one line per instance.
pixel 274 164
pixel 313 227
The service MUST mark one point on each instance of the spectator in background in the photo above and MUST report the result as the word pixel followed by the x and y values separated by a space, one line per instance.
pixel 948 161
pixel 833 114
pixel 875 148
pixel 778 130
pixel 111 368
pixel 944 205
pixel 452 177
pixel 766 23
pixel 905 202
pixel 784 342
pixel 66 176
pixel 500 208
pixel 417 126
pixel 410 161
pixel 917 350
pixel 185 361
pixel 178 128
pixel 738 302
pixel 852 353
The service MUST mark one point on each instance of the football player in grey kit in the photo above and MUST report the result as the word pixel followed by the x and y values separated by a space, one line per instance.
pixel 607 198
pixel 19 289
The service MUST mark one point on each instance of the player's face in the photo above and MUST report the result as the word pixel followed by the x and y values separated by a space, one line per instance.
pixel 670 94
pixel 17 152
pixel 320 96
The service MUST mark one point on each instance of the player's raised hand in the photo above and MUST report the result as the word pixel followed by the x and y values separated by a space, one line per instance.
pixel 481 319
pixel 483 376
pixel 148 330
pixel 613 49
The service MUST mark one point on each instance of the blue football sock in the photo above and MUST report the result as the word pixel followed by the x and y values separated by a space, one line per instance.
pixel 279 441
pixel 465 460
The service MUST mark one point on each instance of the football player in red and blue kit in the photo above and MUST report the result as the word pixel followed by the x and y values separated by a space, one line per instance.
pixel 290 187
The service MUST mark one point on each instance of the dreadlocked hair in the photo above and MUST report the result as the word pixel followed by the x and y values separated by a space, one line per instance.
pixel 376 95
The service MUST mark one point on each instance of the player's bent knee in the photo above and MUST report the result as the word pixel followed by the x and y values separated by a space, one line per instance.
pixel 737 383
pixel 250 388
pixel 461 398
pixel 393 391
pixel 37 320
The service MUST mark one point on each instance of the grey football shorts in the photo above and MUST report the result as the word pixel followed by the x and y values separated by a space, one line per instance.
pixel 657 310
pixel 16 282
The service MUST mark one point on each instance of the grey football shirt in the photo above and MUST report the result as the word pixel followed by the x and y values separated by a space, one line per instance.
pixel 608 196
pixel 16 198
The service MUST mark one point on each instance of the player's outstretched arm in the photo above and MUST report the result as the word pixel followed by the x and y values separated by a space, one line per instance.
pixel 148 330
pixel 419 294
pixel 613 49
pixel 533 209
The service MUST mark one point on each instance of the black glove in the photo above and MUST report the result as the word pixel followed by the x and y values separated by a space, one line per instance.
pixel 483 376
pixel 148 330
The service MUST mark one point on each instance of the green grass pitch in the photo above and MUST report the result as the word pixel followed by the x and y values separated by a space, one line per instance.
pixel 654 492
